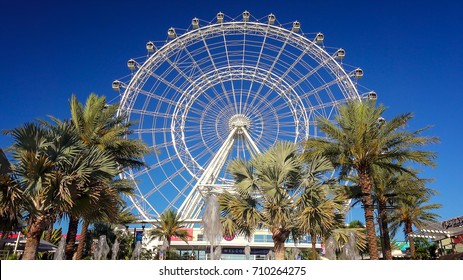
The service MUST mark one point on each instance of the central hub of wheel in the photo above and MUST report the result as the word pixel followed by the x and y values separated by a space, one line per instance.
pixel 240 121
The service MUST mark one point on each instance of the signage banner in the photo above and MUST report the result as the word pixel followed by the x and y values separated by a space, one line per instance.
pixel 240 251
pixel 453 223
pixel 190 235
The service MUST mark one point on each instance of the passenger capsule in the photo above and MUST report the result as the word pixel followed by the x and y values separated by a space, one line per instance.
pixel 220 17
pixel 372 95
pixel 246 15
pixel 116 85
pixel 195 23
pixel 319 38
pixel 358 73
pixel 296 26
pixel 131 64
pixel 271 19
pixel 171 33
pixel 340 54
pixel 150 46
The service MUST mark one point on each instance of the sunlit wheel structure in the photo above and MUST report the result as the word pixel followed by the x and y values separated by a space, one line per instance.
pixel 221 90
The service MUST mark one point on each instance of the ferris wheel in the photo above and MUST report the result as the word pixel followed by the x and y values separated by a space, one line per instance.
pixel 221 90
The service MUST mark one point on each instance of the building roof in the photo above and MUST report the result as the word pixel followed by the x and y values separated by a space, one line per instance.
pixel 438 231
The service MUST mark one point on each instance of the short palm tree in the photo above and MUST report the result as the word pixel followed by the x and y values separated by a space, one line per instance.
pixel 50 165
pixel 319 214
pixel 342 234
pixel 112 211
pixel 41 166
pixel 121 216
pixel 413 210
pixel 264 195
pixel 359 139
pixel 169 225
pixel 320 207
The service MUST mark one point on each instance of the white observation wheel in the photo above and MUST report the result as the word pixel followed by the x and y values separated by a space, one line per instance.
pixel 223 90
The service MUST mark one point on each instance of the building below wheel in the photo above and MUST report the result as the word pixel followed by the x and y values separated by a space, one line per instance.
pixel 260 246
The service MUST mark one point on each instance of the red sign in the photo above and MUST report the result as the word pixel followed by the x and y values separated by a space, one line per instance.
pixel 189 238
pixel 458 239
pixel 228 237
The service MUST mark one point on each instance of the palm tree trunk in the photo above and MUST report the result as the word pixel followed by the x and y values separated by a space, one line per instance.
pixel 83 235
pixel 50 230
pixel 279 248
pixel 366 185
pixel 313 239
pixel 409 230
pixel 71 236
pixel 168 248
pixel 279 237
pixel 387 251
pixel 36 228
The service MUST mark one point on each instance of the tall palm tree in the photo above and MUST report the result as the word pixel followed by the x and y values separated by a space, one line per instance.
pixel 388 187
pixel 385 183
pixel 413 210
pixel 384 189
pixel 359 139
pixel 169 225
pixel 274 176
pixel 99 125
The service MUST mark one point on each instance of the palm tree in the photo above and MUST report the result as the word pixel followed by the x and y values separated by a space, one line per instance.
pixel 384 189
pixel 318 214
pixel 341 236
pixel 360 139
pixel 320 208
pixel 50 165
pixel 122 216
pixel 100 201
pixel 113 212
pixel 413 210
pixel 385 184
pixel 169 225
pixel 274 176
pixel 390 187
pixel 99 125
pixel 10 197
pixel 39 167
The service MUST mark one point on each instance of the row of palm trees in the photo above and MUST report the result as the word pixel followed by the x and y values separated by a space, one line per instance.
pixel 284 190
pixel 68 169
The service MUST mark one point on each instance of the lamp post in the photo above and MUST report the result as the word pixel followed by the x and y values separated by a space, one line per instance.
pixel 17 243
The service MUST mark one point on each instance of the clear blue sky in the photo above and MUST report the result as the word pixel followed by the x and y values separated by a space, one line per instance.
pixel 410 52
